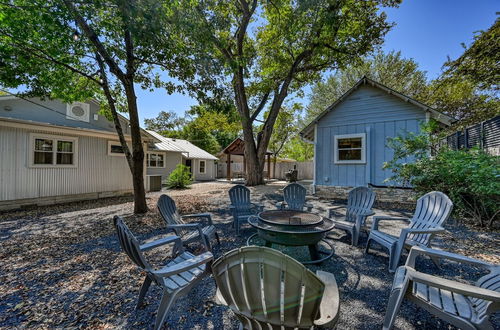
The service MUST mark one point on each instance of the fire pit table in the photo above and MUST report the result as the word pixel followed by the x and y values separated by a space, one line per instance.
pixel 293 228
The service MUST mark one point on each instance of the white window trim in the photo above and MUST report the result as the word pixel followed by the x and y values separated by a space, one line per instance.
pixel 349 136
pixel 204 168
pixel 110 143
pixel 56 138
pixel 157 153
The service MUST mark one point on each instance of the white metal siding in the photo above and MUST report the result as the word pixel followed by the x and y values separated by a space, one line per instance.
pixel 96 171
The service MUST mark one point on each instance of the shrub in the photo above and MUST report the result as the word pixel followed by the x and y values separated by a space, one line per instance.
pixel 180 177
pixel 471 178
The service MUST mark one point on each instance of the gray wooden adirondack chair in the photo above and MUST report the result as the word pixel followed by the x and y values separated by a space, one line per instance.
pixel 176 278
pixel 359 207
pixel 464 305
pixel 431 211
pixel 189 232
pixel 294 196
pixel 267 289
pixel 241 207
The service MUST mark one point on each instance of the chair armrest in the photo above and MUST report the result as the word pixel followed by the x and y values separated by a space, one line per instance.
pixel 160 242
pixel 377 219
pixel 259 207
pixel 207 216
pixel 185 265
pixel 185 226
pixel 423 231
pixel 453 286
pixel 424 251
pixel 308 206
pixel 281 205
pixel 330 304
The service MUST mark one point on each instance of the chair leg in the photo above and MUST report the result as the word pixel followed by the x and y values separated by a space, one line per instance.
pixel 144 289
pixel 165 304
pixel 354 237
pixel 238 227
pixel 217 238
pixel 436 262
pixel 393 306
pixel 368 242
pixel 394 256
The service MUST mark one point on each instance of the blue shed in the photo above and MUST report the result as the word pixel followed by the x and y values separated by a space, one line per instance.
pixel 350 136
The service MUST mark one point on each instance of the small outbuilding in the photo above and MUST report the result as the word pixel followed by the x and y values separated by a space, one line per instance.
pixel 350 136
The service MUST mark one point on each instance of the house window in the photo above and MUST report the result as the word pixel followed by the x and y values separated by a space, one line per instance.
pixel 115 149
pixel 155 160
pixel 51 150
pixel 202 166
pixel 350 148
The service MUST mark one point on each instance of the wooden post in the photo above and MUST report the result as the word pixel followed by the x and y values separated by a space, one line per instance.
pixel 244 165
pixel 268 167
pixel 228 167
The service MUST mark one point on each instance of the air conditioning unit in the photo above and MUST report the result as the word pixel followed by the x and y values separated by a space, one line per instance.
pixel 78 111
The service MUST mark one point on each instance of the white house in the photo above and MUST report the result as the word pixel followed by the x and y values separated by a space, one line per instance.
pixel 164 156
pixel 52 152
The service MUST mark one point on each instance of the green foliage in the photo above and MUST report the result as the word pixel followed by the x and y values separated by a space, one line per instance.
pixel 180 177
pixel 391 69
pixel 299 150
pixel 471 178
pixel 164 122
pixel 284 128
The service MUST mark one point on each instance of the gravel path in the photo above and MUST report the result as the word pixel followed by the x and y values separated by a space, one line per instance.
pixel 61 266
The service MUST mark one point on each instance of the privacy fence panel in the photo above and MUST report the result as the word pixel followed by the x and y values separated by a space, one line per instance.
pixel 485 135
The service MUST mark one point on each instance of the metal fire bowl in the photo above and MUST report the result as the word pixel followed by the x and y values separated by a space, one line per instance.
pixel 290 234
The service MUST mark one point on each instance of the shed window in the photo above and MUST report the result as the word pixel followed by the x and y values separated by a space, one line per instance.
pixel 350 148
pixel 50 151
pixel 115 149
pixel 155 160
pixel 202 166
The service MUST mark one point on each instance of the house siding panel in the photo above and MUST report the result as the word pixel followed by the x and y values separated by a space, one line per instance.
pixel 371 111
pixel 96 171
pixel 171 161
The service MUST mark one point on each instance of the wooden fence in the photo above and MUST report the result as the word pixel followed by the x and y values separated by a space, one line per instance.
pixel 485 135
pixel 305 170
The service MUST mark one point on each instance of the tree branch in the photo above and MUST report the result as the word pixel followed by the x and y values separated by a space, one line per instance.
pixel 260 106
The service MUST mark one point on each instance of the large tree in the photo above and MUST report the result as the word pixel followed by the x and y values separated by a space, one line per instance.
pixel 271 49
pixel 102 49
pixel 390 69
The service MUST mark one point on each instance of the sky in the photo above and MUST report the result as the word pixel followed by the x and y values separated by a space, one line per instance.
pixel 426 30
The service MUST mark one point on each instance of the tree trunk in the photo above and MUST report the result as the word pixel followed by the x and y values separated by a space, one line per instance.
pixel 140 205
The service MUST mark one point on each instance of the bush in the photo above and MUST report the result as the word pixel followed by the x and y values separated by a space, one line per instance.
pixel 471 178
pixel 180 177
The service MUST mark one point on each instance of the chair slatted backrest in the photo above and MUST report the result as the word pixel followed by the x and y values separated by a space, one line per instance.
pixel 266 287
pixel 490 281
pixel 239 196
pixel 294 195
pixel 129 244
pixel 168 211
pixel 432 210
pixel 360 200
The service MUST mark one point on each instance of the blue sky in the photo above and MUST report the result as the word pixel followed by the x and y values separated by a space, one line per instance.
pixel 426 30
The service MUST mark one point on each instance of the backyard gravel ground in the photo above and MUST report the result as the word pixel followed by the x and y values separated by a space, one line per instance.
pixel 61 266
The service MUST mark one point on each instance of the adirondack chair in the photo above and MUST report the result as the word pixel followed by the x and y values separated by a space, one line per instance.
pixel 465 306
pixel 432 210
pixel 176 278
pixel 267 289
pixel 241 208
pixel 203 231
pixel 294 196
pixel 359 207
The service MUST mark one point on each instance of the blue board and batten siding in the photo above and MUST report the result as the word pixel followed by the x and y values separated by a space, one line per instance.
pixel 366 110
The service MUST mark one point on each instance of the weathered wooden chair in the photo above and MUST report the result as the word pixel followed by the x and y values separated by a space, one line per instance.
pixel 267 289
pixel 359 207
pixel 203 230
pixel 431 211
pixel 241 207
pixel 176 278
pixel 465 306
pixel 294 196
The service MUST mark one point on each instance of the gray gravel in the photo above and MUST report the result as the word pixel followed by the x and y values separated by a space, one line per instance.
pixel 61 267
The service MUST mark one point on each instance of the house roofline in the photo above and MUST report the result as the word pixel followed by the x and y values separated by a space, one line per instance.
pixel 441 117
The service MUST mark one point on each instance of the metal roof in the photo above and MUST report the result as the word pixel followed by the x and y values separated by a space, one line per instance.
pixel 178 145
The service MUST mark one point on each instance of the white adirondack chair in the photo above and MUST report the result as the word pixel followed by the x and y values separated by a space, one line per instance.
pixel 267 289
pixel 431 211
pixel 464 305
pixel 176 278
pixel 359 207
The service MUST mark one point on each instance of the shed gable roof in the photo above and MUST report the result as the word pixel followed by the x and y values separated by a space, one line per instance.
pixel 183 146
pixel 308 131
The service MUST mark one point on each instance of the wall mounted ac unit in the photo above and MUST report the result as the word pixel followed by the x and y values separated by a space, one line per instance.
pixel 78 111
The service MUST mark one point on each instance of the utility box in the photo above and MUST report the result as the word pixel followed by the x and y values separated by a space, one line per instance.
pixel 154 182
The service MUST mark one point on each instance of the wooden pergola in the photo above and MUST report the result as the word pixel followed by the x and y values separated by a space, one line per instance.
pixel 237 147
